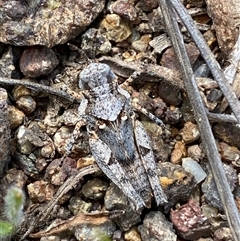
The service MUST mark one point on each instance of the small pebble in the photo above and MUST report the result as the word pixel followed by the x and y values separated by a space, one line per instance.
pixel 162 150
pixel 41 163
pixel 94 43
pixel 27 163
pixel 170 95
pixel 189 132
pixel 229 153
pixel 214 95
pixel 209 187
pixel 148 5
pixel 142 44
pixel 51 238
pixel 160 43
pixel 15 116
pixel 228 132
pixel 194 168
pixel 206 84
pixel 169 59
pixel 85 161
pixel 116 200
pixel 132 235
pixel 201 71
pixel 37 60
pixel 177 183
pixel 40 191
pixel 114 28
pixel 173 115
pixel 95 189
pixel 20 90
pixel 155 227
pixel 190 222
pixel 124 9
pixel 95 232
pixel 117 235
pixel 27 104
pixel 77 205
pixel 178 152
pixel 24 144
pixel 223 234
pixel 48 151
pixel 209 211
pixel 195 152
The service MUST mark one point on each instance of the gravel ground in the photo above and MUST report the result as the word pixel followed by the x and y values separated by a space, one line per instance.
pixel 44 46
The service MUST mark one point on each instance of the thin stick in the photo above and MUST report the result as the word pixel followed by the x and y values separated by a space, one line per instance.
pixel 215 117
pixel 207 137
pixel 67 185
pixel 40 87
pixel 208 57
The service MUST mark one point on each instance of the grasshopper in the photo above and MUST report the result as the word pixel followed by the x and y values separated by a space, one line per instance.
pixel 118 141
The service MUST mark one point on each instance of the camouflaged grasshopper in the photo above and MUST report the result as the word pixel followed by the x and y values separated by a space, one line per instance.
pixel 118 142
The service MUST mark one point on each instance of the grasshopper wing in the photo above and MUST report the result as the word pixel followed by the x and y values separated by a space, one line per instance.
pixel 114 171
pixel 148 161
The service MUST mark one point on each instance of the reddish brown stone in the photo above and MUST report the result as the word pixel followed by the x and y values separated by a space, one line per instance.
pixel 125 10
pixel 169 59
pixel 190 222
pixel 36 61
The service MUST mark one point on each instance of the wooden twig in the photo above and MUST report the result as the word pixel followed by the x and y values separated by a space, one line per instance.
pixel 216 117
pixel 67 186
pixel 209 58
pixel 152 73
pixel 39 87
pixel 207 137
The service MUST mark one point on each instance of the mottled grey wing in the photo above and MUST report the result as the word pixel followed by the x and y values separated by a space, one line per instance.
pixel 146 154
pixel 114 171
pixel 119 137
pixel 138 178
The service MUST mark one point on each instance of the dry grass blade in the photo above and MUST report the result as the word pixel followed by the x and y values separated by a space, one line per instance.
pixel 207 137
pixel 82 218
